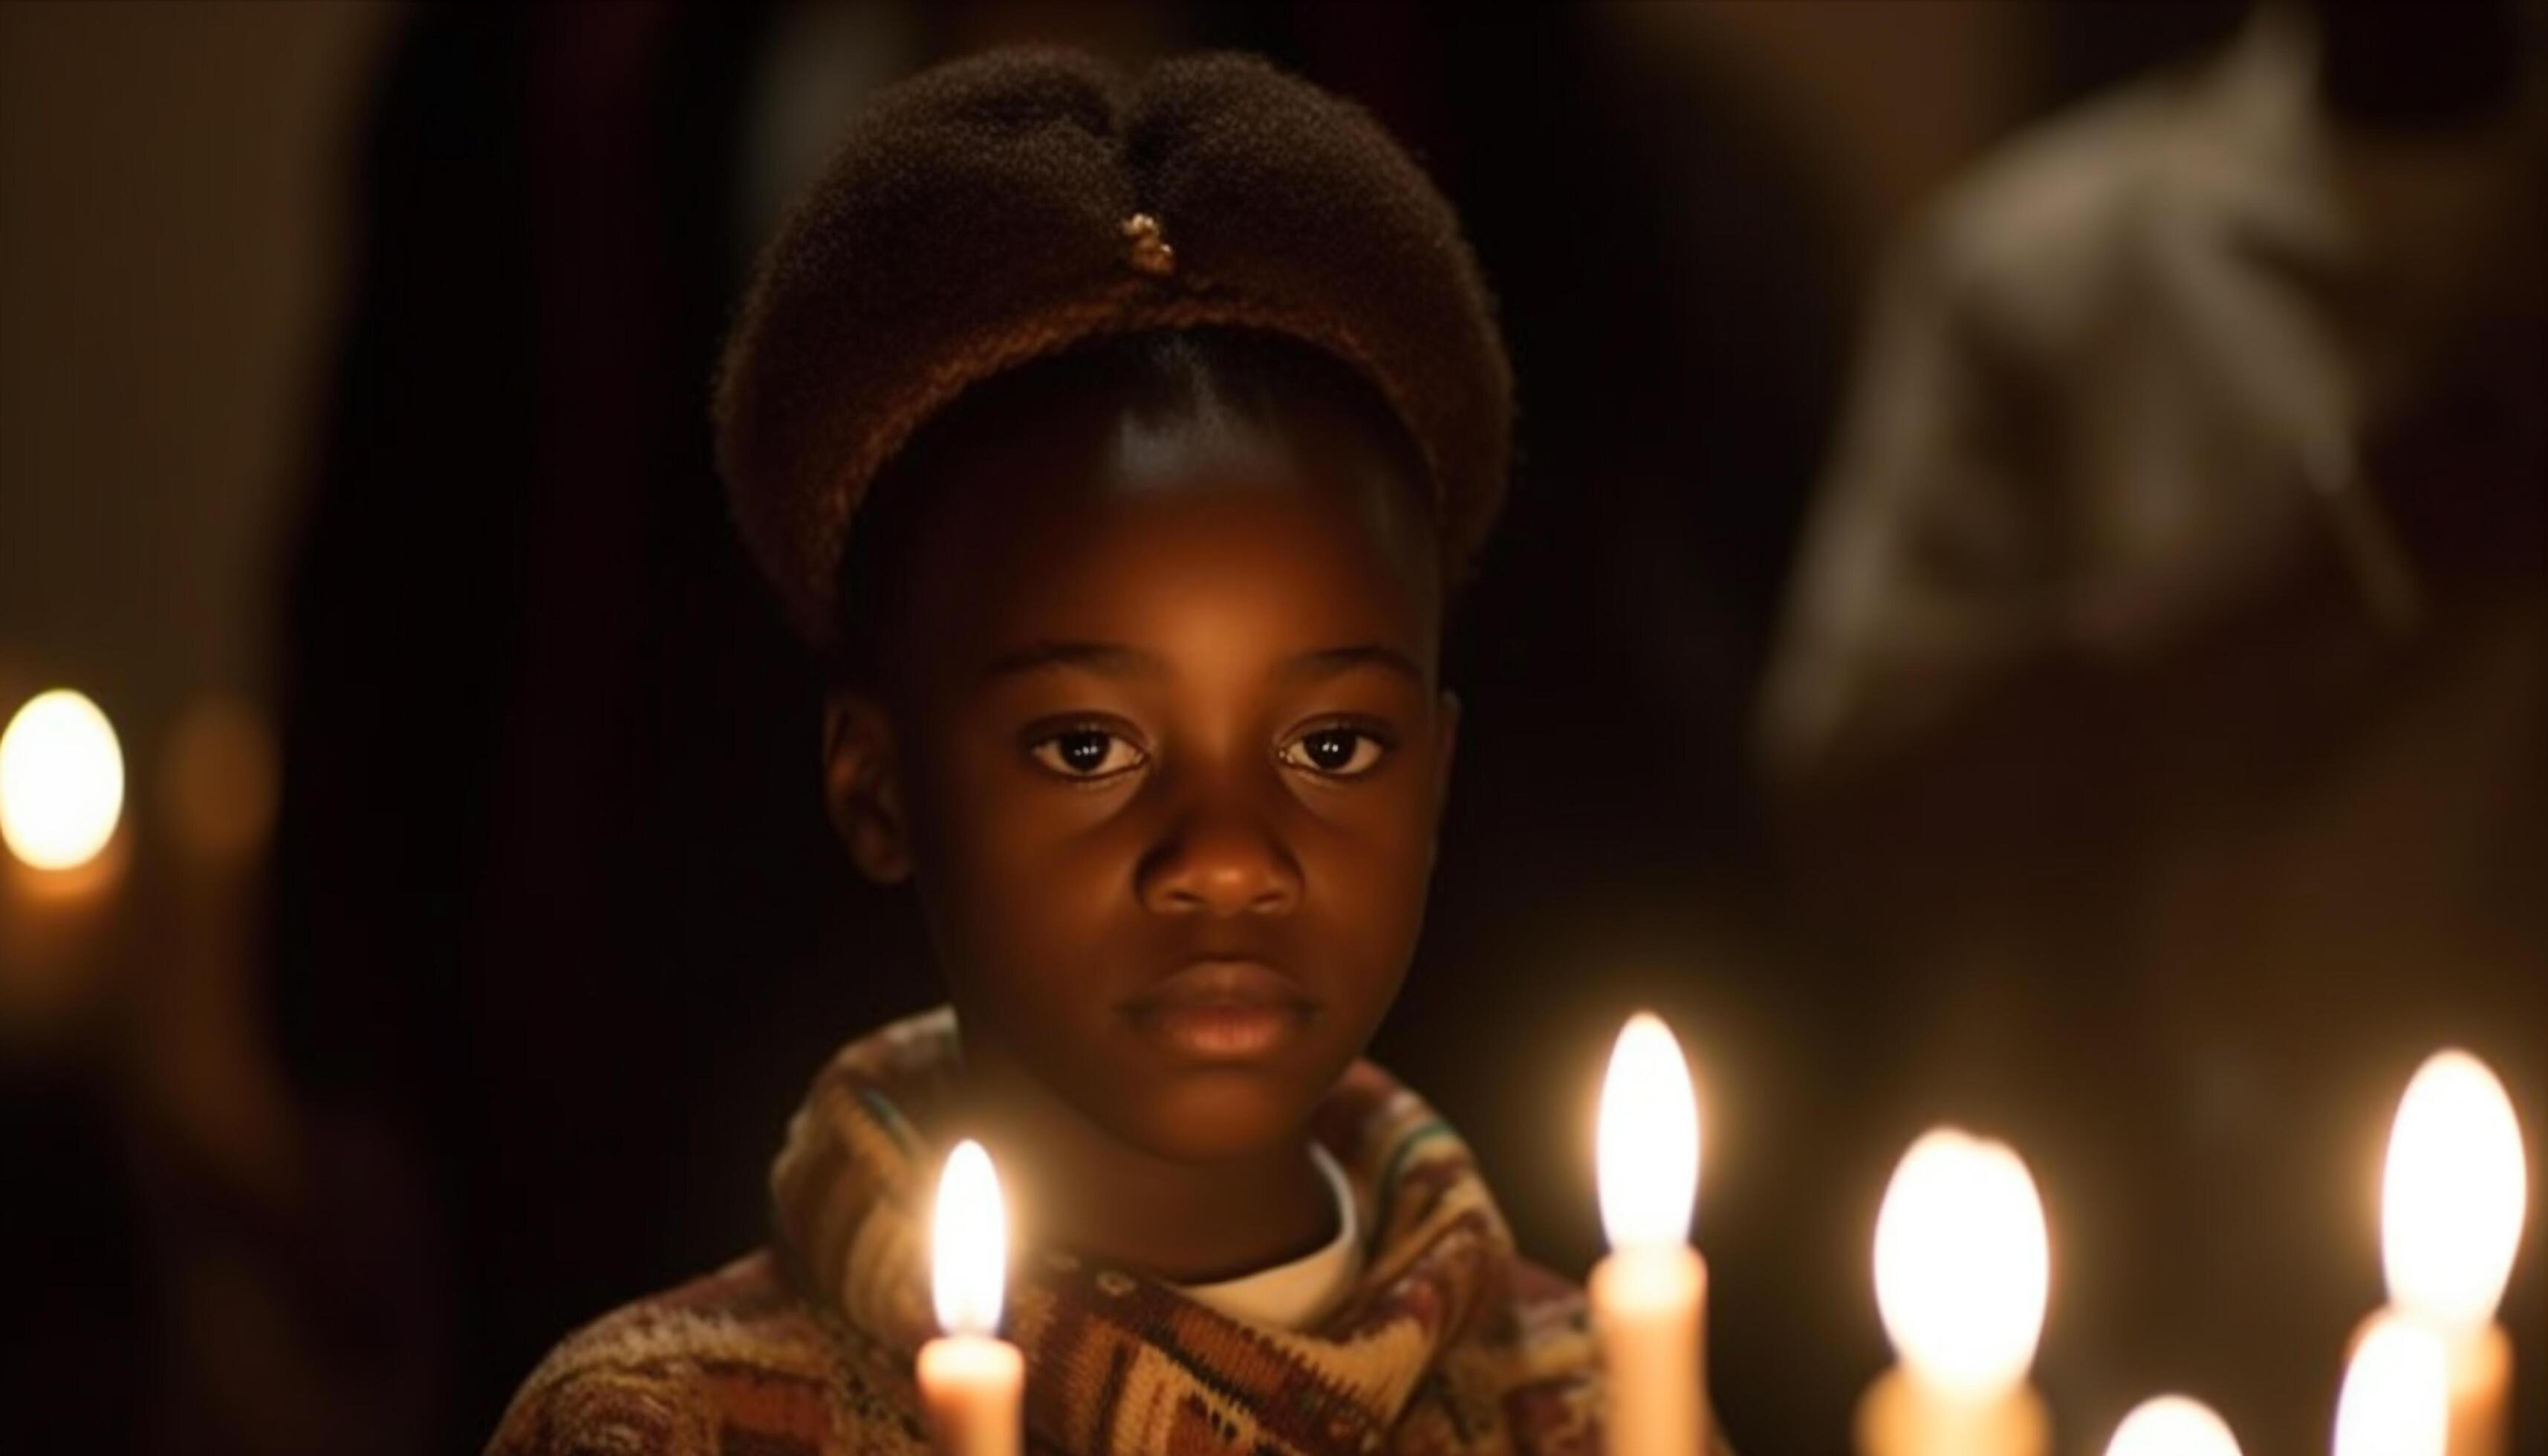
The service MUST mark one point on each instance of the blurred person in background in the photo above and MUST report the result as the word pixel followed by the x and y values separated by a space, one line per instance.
pixel 2163 694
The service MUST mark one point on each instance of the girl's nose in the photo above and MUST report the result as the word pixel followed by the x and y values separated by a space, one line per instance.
pixel 1222 861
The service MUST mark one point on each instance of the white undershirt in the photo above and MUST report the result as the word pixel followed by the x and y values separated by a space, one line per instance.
pixel 1294 1294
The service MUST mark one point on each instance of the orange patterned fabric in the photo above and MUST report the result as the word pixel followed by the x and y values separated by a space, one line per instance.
pixel 1449 1343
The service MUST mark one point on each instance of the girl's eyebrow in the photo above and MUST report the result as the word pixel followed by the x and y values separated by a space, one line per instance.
pixel 1112 658
pixel 1115 660
pixel 1331 661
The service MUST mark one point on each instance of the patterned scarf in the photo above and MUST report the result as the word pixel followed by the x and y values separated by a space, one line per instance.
pixel 1449 1344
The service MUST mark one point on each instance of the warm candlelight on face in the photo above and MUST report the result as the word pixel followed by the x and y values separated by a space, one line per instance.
pixel 1962 1269
pixel 2452 1199
pixel 2172 1425
pixel 2395 1400
pixel 971 1382
pixel 62 782
pixel 1650 1295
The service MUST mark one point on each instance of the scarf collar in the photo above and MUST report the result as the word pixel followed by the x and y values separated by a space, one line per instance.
pixel 1116 1361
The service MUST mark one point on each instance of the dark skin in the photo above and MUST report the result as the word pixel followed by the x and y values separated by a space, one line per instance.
pixel 1165 775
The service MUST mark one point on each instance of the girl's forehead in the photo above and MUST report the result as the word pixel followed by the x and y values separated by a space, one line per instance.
pixel 1077 492
pixel 1162 553
pixel 1063 508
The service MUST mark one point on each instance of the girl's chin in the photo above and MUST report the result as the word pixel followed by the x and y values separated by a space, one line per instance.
pixel 1220 1115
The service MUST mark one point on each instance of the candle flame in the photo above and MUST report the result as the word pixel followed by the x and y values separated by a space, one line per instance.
pixel 1646 1144
pixel 2172 1425
pixel 2451 1201
pixel 969 1244
pixel 62 782
pixel 2397 1396
pixel 1962 1265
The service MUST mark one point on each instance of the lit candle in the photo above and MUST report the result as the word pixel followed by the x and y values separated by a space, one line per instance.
pixel 971 1380
pixel 61 799
pixel 2172 1425
pixel 1650 1295
pixel 2450 1220
pixel 2395 1400
pixel 1962 1271
pixel 62 782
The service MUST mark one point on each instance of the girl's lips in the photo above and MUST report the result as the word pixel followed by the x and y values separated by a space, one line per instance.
pixel 1223 1011
pixel 1222 1031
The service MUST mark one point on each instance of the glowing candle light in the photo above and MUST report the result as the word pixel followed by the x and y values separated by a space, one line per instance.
pixel 61 798
pixel 1649 1297
pixel 2172 1425
pixel 2395 1400
pixel 62 782
pixel 1962 1269
pixel 971 1382
pixel 2453 1201
pixel 218 779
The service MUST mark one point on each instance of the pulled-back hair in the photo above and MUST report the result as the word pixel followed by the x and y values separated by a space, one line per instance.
pixel 1239 382
pixel 1022 204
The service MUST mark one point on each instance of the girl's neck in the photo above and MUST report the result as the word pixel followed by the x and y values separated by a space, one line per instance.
pixel 1071 1184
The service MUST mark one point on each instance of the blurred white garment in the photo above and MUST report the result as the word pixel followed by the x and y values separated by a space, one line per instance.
pixel 2125 364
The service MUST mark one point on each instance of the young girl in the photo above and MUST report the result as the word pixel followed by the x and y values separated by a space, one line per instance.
pixel 1120 439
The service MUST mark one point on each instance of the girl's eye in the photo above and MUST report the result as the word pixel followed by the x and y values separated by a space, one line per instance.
pixel 1086 753
pixel 1338 753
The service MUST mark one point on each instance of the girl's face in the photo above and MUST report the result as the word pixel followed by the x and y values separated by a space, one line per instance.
pixel 1164 757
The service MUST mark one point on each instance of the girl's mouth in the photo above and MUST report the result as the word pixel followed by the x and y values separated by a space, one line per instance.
pixel 1223 1011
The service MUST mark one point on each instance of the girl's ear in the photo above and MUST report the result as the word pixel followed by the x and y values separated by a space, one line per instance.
pixel 863 785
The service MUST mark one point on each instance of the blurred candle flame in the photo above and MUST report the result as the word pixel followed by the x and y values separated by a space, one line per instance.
pixel 2397 1396
pixel 62 782
pixel 218 776
pixel 2452 1196
pixel 2173 1426
pixel 969 1244
pixel 1963 1263
pixel 1646 1144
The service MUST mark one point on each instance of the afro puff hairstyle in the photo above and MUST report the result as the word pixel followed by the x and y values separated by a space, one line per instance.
pixel 1008 207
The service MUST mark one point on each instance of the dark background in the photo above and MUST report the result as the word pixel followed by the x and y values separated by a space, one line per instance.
pixel 355 367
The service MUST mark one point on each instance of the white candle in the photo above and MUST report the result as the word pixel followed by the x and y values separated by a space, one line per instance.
pixel 1962 1268
pixel 2395 1400
pixel 2450 1222
pixel 1649 1298
pixel 2172 1425
pixel 971 1382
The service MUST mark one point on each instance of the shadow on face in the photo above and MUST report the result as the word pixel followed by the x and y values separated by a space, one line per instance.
pixel 1147 706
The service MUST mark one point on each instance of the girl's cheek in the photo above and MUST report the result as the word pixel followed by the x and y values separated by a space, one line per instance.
pixel 1382 817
